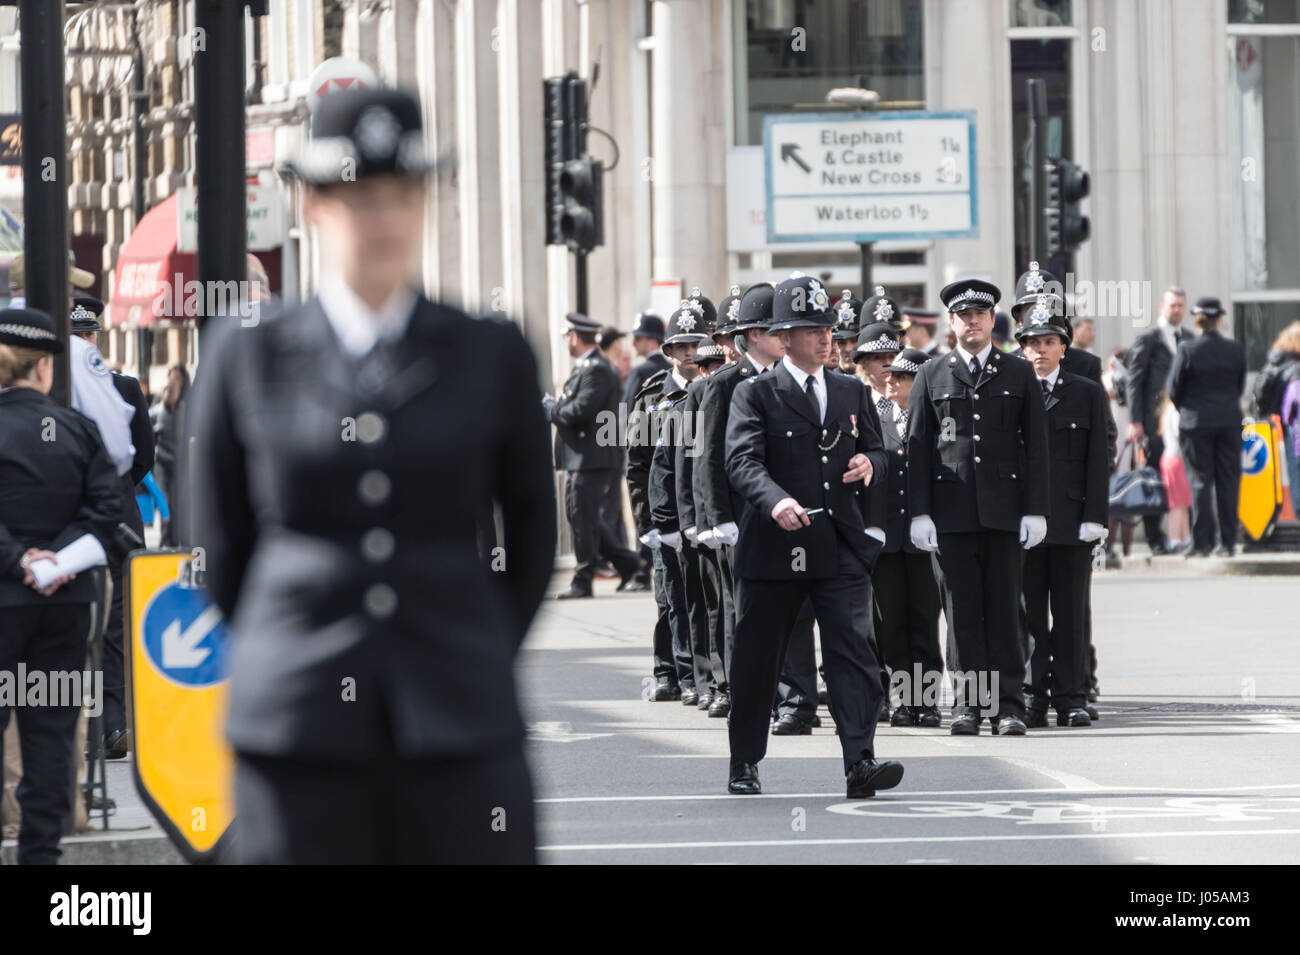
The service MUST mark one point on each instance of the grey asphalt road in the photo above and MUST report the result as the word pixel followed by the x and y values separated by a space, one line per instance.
pixel 1196 758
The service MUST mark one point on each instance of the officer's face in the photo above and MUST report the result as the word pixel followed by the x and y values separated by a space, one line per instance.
pixel 682 355
pixel 973 326
pixel 872 369
pixel 844 353
pixel 898 387
pixel 1085 333
pixel 1044 352
pixel 1173 307
pixel 370 229
pixel 807 347
pixel 728 349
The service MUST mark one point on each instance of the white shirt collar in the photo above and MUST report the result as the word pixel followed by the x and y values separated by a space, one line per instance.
pixel 587 354
pixel 983 356
pixel 1051 379
pixel 876 396
pixel 357 326
pixel 801 376
pixel 754 361
pixel 681 382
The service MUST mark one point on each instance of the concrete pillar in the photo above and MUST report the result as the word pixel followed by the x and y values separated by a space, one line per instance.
pixel 435 79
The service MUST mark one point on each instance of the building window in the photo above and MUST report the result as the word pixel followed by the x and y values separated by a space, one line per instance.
pixel 1040 13
pixel 790 53
pixel 1263 47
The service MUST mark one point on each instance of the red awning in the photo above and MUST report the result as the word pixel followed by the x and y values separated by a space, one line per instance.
pixel 151 276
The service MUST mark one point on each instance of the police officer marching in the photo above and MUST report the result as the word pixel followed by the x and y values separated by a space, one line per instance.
pixel 802 446
pixel 845 334
pixel 977 489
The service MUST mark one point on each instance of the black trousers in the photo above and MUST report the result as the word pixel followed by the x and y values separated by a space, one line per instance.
pixel 715 575
pixel 665 661
pixel 767 612
pixel 982 570
pixel 1154 446
pixel 585 493
pixel 907 623
pixel 387 810
pixel 611 509
pixel 1213 459
pixel 49 638
pixel 796 689
pixel 114 716
pixel 1056 579
pixel 697 615
pixel 679 615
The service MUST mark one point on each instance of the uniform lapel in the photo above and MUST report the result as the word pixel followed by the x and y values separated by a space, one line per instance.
pixel 314 356
pixel 1054 396
pixel 959 370
pixel 991 369
pixel 794 396
pixel 412 369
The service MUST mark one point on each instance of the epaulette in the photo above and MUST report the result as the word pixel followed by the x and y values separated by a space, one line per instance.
pixel 650 383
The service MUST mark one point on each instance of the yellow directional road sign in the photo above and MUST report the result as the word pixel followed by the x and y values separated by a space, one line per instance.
pixel 1261 479
pixel 177 689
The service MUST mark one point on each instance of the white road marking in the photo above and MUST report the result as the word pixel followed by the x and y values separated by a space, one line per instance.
pixel 1067 780
pixel 905 840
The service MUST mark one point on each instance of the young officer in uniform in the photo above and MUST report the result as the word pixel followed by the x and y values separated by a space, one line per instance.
pixel 347 453
pixel 977 488
pixel 1057 573
pixel 904 584
pixel 847 311
pixel 801 440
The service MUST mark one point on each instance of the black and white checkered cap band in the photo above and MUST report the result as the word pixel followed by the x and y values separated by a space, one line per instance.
pixel 903 365
pixel 970 297
pixel 883 343
pixel 30 332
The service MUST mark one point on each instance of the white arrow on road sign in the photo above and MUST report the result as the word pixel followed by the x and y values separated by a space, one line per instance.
pixel 181 650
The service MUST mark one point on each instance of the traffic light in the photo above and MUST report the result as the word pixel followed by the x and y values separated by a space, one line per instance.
pixel 581 222
pixel 573 179
pixel 556 135
pixel 1067 184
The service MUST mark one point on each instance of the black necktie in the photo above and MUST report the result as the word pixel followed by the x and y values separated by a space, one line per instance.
pixel 1046 390
pixel 975 367
pixel 812 397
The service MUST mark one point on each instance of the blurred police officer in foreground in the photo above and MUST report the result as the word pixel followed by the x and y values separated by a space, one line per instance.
pixel 1057 573
pixel 56 485
pixel 800 440
pixel 977 489
pixel 346 454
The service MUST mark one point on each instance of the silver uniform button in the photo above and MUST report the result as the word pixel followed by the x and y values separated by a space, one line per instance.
pixel 826 484
pixel 902 510
pixel 371 427
pixel 977 397
pixel 582 434
pixel 381 601
pixel 374 487
pixel 1073 425
pixel 824 459
pixel 977 417
pixel 829 511
pixel 977 459
pixel 377 545
pixel 901 493
pixel 977 437
pixel 789 434
pixel 899 451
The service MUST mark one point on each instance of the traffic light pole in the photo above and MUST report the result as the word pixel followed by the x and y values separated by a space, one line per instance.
pixel 580 279
pixel 1037 232
pixel 45 164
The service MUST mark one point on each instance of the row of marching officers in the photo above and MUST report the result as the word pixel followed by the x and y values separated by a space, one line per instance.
pixel 797 464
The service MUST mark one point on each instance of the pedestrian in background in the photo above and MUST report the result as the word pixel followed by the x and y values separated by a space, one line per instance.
pixel 1115 380
pixel 612 346
pixel 1280 371
pixel 167 429
pixel 1177 491
pixel 1205 384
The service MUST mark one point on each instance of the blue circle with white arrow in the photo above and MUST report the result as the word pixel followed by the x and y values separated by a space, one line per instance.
pixel 185 637
pixel 1254 454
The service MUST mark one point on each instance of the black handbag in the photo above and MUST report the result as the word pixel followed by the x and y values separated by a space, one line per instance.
pixel 1139 492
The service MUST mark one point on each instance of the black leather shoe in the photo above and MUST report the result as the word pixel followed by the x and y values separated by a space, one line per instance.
pixel 632 585
pixel 903 716
pixel 743 779
pixel 965 724
pixel 1093 693
pixel 1009 726
pixel 1036 718
pixel 705 700
pixel 1091 710
pixel 665 690
pixel 721 705
pixel 928 717
pixel 1073 718
pixel 791 725
pixel 1222 551
pixel 868 775
pixel 116 744
pixel 573 593
pixel 689 696
pixel 1197 552
pixel 815 721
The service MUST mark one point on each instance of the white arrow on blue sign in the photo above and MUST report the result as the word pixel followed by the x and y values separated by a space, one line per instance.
pixel 185 637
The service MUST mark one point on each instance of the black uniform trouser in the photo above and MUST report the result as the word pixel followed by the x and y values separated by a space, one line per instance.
pixel 679 616
pixel 665 663
pixel 593 540
pixel 385 810
pixel 982 569
pixel 907 624
pixel 767 611
pixel 114 716
pixel 1056 579
pixel 1213 459
pixel 715 575
pixel 950 661
pixel 611 509
pixel 1154 446
pixel 49 638
pixel 697 613
pixel 796 690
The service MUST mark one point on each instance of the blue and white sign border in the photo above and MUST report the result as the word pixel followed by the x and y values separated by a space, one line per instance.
pixel 868 116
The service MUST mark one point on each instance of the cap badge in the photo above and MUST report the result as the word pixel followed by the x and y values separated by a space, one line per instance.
pixel 884 311
pixel 377 132
pixel 1034 281
pixel 1041 313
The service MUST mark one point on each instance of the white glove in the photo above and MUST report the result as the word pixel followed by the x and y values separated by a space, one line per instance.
pixel 691 534
pixel 1033 529
pixel 709 538
pixel 548 405
pixel 651 539
pixel 924 534
pixel 877 533
pixel 728 533
pixel 673 540
pixel 1088 531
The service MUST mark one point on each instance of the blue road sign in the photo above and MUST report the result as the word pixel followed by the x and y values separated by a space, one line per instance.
pixel 184 636
pixel 1254 454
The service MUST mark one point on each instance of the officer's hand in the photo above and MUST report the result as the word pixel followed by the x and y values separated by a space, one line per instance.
pixel 1033 529
pixel 728 533
pixel 1135 431
pixel 860 469
pixel 651 539
pixel 708 538
pixel 1089 531
pixel 789 515
pixel 673 540
pixel 691 534
pixel 877 533
pixel 32 555
pixel 548 405
pixel 924 534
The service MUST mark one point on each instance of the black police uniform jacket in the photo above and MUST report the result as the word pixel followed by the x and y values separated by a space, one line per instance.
pixel 1077 410
pixel 1206 382
pixel 305 456
pixel 898 516
pixel 57 483
pixel 664 479
pixel 686 453
pixel 1149 362
pixel 970 473
pixel 637 377
pixel 1078 361
pixel 776 449
pixel 641 433
pixel 586 418
pixel 718 502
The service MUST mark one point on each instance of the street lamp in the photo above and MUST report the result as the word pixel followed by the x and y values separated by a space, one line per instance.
pixel 858 97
